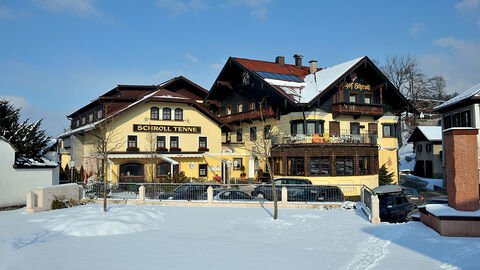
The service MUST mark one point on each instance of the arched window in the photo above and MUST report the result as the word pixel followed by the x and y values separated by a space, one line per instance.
pixel 154 113
pixel 167 114
pixel 178 114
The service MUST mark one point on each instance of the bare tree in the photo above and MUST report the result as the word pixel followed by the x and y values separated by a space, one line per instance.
pixel 152 154
pixel 261 148
pixel 105 140
pixel 399 68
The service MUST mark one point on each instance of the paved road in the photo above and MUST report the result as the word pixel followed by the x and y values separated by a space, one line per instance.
pixel 427 194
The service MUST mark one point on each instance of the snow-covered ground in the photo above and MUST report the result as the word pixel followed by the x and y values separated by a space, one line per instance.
pixel 406 155
pixel 175 237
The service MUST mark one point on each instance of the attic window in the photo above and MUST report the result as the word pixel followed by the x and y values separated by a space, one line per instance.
pixel 352 98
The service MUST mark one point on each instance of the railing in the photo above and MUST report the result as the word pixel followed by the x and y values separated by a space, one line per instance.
pixel 343 137
pixel 357 109
pixel 226 192
pixel 249 115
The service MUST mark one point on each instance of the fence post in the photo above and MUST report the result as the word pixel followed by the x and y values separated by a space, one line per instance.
pixel 284 195
pixel 375 210
pixel 210 194
pixel 141 193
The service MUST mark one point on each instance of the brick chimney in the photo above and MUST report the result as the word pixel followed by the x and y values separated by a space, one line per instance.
pixel 280 60
pixel 298 60
pixel 313 66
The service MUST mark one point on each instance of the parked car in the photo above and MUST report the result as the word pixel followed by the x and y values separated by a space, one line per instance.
pixel 438 200
pixel 413 196
pixel 187 191
pixel 293 186
pixel 227 195
pixel 318 194
pixel 394 206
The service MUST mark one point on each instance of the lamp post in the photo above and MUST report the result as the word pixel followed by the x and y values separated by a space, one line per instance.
pixel 192 165
pixel 235 164
pixel 229 164
pixel 71 163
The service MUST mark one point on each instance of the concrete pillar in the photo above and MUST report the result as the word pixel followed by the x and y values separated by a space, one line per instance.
pixel 284 195
pixel 30 200
pixel 210 194
pixel 141 193
pixel 375 210
pixel 461 160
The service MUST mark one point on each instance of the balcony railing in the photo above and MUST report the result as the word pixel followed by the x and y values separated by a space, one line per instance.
pixel 343 137
pixel 249 115
pixel 357 109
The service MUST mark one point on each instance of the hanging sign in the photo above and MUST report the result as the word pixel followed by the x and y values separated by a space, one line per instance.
pixel 167 129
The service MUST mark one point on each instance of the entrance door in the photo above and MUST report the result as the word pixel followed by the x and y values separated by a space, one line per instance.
pixel 251 168
pixel 428 169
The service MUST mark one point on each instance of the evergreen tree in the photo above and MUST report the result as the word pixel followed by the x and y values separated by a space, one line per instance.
pixel 27 138
pixel 384 178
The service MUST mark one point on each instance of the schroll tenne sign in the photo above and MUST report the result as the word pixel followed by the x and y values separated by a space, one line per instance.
pixel 161 128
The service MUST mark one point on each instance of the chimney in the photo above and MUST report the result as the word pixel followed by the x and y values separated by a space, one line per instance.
pixel 313 66
pixel 298 60
pixel 280 60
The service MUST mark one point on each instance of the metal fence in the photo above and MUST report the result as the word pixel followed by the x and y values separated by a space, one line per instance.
pixel 226 192
pixel 367 197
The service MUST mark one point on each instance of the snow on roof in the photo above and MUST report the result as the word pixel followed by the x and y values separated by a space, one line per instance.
pixel 320 80
pixel 433 133
pixel 171 97
pixel 473 91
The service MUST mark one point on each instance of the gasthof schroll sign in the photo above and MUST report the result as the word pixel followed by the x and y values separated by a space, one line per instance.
pixel 166 129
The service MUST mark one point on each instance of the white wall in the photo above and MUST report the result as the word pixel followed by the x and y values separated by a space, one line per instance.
pixel 15 183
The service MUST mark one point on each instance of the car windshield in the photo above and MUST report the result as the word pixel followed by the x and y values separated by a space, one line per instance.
pixel 410 192
pixel 182 189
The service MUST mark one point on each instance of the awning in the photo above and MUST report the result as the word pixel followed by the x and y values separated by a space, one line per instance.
pixel 133 155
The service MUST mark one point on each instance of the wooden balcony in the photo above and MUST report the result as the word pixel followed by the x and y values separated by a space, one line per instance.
pixel 375 110
pixel 249 115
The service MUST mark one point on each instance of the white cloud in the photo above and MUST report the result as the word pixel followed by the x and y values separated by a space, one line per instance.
pixel 416 29
pixel 259 8
pixel 178 7
pixel 79 7
pixel 459 63
pixel 215 66
pixel 190 57
pixel 466 6
pixel 16 101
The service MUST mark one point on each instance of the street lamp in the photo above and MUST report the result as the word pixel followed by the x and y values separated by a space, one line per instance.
pixel 192 165
pixel 72 163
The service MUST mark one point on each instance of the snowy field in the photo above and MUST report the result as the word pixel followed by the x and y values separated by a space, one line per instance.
pixel 175 237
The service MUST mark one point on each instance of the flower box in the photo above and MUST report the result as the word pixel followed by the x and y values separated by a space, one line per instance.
pixel 175 149
pixel 202 149
pixel 132 149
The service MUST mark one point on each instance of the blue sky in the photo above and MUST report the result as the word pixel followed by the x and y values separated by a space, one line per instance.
pixel 57 55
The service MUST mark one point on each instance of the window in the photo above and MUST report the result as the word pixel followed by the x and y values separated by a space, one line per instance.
pixel 319 166
pixel 239 135
pixel 167 114
pixel 132 141
pixel 99 114
pixel 253 133
pixel 368 99
pixel 84 120
pixel 90 118
pixel 354 128
pixel 428 147
pixel 352 98
pixel 313 127
pixel 239 163
pixel 161 142
pixel 447 122
pixel 363 163
pixel 78 122
pixel 344 166
pixel 252 106
pixel 295 166
pixel 389 130
pixel 154 113
pixel 239 107
pixel 178 114
pixel 228 110
pixel 202 170
pixel 419 148
pixel 163 168
pixel 266 131
pixel 202 142
pixel 174 142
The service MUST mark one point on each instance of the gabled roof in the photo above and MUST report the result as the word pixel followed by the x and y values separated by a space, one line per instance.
pixel 474 91
pixel 426 133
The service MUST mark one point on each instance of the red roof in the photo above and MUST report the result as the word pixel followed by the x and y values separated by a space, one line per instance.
pixel 273 67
